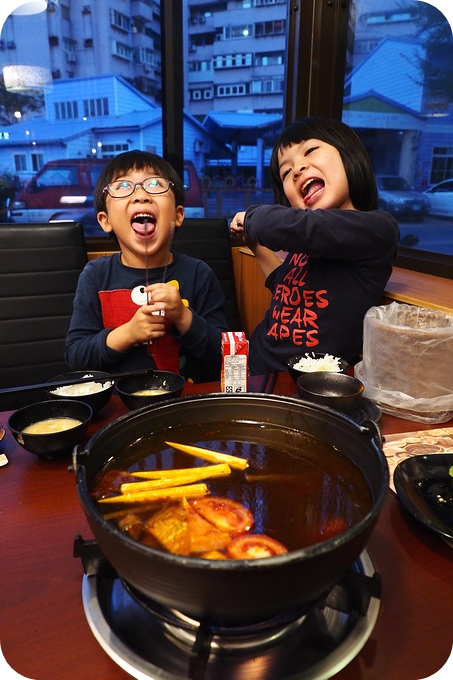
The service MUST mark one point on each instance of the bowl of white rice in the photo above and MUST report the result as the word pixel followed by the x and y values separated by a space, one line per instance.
pixel 94 388
pixel 313 362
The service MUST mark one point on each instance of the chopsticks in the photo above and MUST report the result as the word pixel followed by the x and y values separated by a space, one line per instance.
pixel 73 381
pixel 152 346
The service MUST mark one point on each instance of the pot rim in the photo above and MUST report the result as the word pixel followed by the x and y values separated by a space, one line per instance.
pixel 369 428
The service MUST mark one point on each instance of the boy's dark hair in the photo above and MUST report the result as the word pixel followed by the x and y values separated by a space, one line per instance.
pixel 136 160
pixel 359 171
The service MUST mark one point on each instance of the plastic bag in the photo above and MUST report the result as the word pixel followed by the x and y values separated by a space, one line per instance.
pixel 407 365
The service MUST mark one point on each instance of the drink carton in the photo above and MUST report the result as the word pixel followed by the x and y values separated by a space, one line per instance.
pixel 235 350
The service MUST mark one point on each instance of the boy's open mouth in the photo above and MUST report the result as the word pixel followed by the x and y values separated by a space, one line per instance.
pixel 143 224
pixel 311 187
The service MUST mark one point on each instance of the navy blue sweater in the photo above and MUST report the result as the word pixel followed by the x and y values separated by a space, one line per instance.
pixel 338 264
pixel 109 293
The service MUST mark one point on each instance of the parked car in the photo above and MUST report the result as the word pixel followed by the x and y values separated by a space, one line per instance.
pixel 7 192
pixel 440 198
pixel 193 206
pixel 397 197
pixel 63 190
pixel 65 184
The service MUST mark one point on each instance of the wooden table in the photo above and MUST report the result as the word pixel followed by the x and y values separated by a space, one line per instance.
pixel 44 633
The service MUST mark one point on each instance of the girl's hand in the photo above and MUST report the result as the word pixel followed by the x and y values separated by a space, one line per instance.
pixel 237 224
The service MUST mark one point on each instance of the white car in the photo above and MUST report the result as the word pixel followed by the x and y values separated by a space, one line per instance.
pixel 440 197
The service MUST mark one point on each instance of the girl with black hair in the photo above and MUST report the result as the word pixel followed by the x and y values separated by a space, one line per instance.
pixel 340 248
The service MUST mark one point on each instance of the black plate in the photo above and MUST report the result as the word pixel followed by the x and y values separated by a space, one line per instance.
pixel 424 485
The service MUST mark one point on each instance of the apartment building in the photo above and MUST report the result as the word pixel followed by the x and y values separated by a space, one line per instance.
pixel 235 58
pixel 79 39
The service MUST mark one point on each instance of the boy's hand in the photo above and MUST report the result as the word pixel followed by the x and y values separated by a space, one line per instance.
pixel 165 296
pixel 148 323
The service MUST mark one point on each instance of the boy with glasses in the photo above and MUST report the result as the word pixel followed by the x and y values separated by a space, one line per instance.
pixel 145 307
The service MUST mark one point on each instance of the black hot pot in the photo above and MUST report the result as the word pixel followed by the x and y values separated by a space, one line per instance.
pixel 235 592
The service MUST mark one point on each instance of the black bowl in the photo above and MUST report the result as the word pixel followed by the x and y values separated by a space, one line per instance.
pixel 96 400
pixel 171 383
pixel 232 592
pixel 295 373
pixel 52 444
pixel 336 390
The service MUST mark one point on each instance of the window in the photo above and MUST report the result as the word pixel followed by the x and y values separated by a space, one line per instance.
pixel 95 107
pixel 399 99
pixel 146 56
pixel 389 17
pixel 119 49
pixel 241 31
pixel 200 66
pixel 112 150
pixel 233 60
pixel 270 59
pixel 120 21
pixel 392 82
pixel 442 166
pixel 268 86
pixel 270 28
pixel 37 161
pixel 20 162
pixel 201 94
pixel 231 90
pixel 65 110
pixel 262 3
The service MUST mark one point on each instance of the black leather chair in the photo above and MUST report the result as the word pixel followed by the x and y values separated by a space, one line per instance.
pixel 39 269
pixel 208 239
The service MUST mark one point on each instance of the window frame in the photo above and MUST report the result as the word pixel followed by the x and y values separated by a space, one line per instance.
pixel 316 90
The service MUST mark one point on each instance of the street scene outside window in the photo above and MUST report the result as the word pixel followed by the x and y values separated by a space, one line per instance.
pixel 82 81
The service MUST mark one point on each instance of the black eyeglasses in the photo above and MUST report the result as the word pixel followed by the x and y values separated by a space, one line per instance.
pixel 124 187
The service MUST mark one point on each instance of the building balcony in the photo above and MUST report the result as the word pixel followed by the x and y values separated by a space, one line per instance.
pixel 141 10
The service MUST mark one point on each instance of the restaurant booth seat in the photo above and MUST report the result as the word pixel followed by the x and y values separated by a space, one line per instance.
pixel 208 239
pixel 40 265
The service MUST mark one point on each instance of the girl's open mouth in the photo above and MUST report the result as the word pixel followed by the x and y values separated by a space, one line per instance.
pixel 311 189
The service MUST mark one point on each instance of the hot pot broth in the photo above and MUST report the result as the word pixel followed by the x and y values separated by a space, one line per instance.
pixel 300 490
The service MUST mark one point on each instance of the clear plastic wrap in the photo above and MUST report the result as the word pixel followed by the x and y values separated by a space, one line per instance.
pixel 407 365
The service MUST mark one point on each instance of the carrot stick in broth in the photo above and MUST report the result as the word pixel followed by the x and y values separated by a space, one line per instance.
pixel 169 493
pixel 211 456
pixel 188 477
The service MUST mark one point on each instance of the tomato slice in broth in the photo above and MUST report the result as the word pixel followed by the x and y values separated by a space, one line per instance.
pixel 254 546
pixel 224 513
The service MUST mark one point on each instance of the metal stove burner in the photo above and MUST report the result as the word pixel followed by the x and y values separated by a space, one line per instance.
pixel 189 631
pixel 314 647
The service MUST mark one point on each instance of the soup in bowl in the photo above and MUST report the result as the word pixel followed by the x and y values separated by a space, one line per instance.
pixel 51 429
